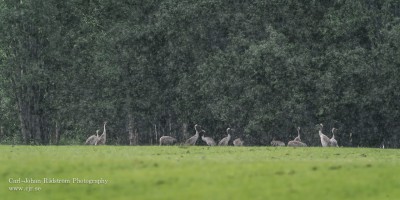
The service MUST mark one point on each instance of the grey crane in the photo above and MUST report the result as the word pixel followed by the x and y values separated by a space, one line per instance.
pixel 93 138
pixel 167 140
pixel 102 137
pixel 208 140
pixel 277 143
pixel 294 143
pixel 324 139
pixel 333 142
pixel 297 141
pixel 224 141
pixel 192 140
pixel 238 142
pixel 298 135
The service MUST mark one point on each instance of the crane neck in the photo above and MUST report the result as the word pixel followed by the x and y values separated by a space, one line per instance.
pixel 104 131
pixel 320 132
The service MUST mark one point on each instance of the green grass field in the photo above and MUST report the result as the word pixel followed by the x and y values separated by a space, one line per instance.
pixel 174 172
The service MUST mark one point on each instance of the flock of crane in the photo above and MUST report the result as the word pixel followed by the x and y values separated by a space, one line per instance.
pixel 325 140
pixel 168 140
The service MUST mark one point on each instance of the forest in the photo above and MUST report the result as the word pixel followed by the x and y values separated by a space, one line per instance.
pixel 158 67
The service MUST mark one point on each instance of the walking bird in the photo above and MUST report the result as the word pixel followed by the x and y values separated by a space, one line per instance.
pixel 93 138
pixel 167 140
pixel 277 143
pixel 208 140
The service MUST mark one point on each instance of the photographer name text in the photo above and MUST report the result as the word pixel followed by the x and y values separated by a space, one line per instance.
pixel 57 181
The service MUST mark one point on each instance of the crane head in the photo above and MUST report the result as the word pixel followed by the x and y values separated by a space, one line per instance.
pixel 321 126
pixel 197 127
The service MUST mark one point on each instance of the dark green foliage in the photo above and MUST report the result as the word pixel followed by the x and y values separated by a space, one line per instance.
pixel 151 68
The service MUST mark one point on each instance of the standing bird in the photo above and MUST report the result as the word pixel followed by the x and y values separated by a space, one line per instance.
pixel 93 139
pixel 298 135
pixel 333 142
pixel 224 141
pixel 277 143
pixel 103 137
pixel 167 140
pixel 324 139
pixel 208 140
pixel 238 142
pixel 192 140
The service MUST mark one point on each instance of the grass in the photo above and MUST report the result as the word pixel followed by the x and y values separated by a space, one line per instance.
pixel 174 172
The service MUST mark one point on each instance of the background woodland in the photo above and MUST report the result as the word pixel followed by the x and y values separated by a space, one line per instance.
pixel 157 67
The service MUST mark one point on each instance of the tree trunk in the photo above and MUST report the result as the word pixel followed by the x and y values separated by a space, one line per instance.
pixel 156 134
pixel 23 119
pixel 185 133
pixel 31 118
pixel 133 134
pixel 57 137
pixel 1 133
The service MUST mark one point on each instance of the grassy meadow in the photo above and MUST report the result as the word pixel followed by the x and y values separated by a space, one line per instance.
pixel 176 172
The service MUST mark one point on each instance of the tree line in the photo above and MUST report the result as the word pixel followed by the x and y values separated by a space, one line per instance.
pixel 153 68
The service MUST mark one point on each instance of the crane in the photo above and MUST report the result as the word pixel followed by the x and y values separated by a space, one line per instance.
pixel 294 143
pixel 238 142
pixel 297 141
pixel 324 139
pixel 224 141
pixel 192 140
pixel 102 137
pixel 167 140
pixel 277 143
pixel 333 142
pixel 208 140
pixel 93 138
pixel 298 135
